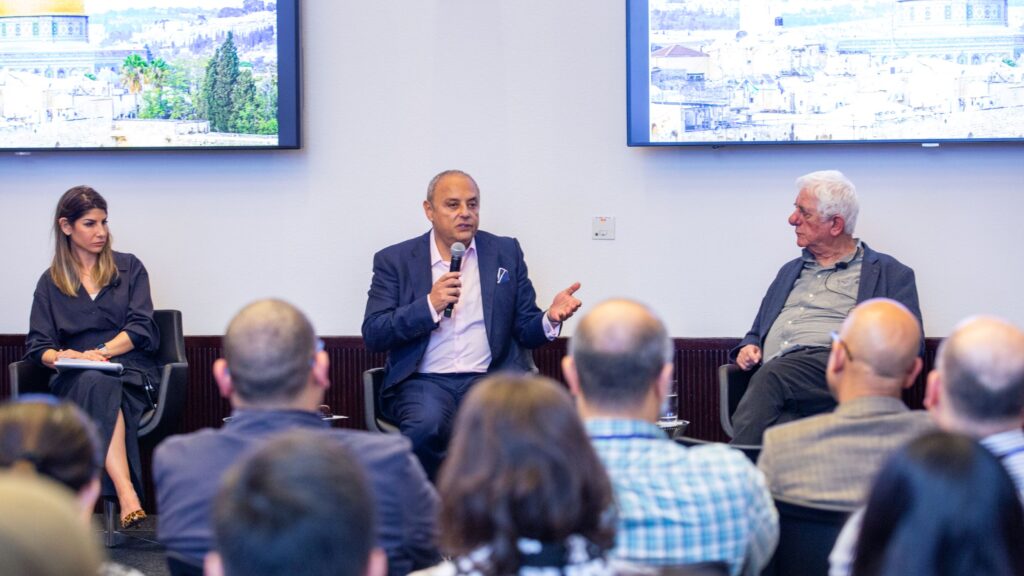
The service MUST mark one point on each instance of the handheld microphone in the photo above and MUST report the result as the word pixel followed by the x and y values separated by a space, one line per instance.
pixel 457 249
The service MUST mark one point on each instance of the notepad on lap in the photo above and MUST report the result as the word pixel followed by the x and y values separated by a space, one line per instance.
pixel 64 364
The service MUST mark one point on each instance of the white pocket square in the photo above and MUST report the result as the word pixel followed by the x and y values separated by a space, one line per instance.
pixel 502 275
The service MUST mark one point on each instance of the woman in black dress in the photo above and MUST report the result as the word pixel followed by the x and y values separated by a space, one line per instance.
pixel 94 304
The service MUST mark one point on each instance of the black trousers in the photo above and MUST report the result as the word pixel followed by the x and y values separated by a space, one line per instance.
pixel 787 388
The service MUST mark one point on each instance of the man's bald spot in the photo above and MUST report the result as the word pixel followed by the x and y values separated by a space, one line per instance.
pixel 615 326
pixel 884 334
pixel 989 348
pixel 620 350
pixel 268 346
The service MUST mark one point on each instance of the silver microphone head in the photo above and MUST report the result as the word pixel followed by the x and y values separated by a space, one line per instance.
pixel 458 249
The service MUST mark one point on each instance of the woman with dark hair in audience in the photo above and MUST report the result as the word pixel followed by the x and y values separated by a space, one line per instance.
pixel 54 439
pixel 522 491
pixel 42 436
pixel 942 505
pixel 94 304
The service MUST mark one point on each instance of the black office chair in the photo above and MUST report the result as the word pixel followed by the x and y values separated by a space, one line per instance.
pixel 807 533
pixel 373 379
pixel 732 384
pixel 28 377
pixel 750 451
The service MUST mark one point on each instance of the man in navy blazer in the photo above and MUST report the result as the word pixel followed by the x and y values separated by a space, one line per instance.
pixel 444 330
pixel 275 374
pixel 808 301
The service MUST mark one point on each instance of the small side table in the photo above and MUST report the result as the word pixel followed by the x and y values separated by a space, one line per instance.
pixel 674 428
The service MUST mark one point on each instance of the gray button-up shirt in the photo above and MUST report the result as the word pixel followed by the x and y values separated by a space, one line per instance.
pixel 820 300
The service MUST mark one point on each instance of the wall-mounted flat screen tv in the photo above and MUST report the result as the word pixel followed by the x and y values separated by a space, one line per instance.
pixel 149 74
pixel 715 72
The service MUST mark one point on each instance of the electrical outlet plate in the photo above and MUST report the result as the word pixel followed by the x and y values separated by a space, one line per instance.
pixel 603 228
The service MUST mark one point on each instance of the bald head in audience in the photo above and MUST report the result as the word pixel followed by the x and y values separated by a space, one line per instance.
pixel 977 386
pixel 271 359
pixel 619 362
pixel 876 353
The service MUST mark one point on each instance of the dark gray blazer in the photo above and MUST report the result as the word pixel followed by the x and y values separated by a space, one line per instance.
pixel 881 276
pixel 187 471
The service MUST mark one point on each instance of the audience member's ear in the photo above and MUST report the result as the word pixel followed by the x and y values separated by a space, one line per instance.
pixel 321 369
pixel 914 371
pixel 836 360
pixel 572 378
pixel 932 392
pixel 223 377
pixel 377 565
pixel 213 565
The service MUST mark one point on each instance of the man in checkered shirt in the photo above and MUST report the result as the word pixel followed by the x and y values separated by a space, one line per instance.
pixel 677 505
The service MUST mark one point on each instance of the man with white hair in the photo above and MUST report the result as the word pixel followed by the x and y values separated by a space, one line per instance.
pixel 809 299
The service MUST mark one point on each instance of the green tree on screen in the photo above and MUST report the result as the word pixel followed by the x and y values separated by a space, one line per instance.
pixel 133 71
pixel 232 99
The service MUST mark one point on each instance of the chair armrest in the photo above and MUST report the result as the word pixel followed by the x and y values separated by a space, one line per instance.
pixel 170 401
pixel 732 384
pixel 373 379
pixel 27 377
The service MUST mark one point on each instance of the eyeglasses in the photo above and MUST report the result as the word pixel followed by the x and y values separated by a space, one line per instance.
pixel 837 340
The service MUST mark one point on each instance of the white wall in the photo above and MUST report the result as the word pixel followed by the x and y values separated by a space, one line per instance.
pixel 529 97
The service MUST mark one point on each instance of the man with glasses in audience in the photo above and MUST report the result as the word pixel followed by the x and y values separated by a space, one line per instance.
pixel 831 458
pixel 810 297
pixel 976 388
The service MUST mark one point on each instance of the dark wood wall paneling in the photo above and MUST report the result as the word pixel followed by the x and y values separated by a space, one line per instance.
pixel 696 363
pixel 696 369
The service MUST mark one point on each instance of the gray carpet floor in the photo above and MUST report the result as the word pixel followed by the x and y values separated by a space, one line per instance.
pixel 140 549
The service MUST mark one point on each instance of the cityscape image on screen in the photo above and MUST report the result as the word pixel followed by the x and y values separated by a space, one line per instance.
pixel 138 74
pixel 774 71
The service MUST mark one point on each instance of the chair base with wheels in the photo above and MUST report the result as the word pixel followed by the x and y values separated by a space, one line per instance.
pixel 27 377
pixel 373 380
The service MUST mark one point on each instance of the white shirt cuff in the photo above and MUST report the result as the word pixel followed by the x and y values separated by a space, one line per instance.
pixel 433 313
pixel 551 329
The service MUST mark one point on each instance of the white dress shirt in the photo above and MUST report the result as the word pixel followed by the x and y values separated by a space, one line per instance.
pixel 459 344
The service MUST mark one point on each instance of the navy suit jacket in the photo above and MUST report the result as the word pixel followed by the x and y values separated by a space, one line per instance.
pixel 187 471
pixel 398 320
pixel 881 276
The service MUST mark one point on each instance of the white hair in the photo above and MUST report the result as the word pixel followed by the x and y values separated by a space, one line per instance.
pixel 836 196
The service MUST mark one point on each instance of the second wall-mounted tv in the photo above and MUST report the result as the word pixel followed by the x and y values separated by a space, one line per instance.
pixel 149 74
pixel 713 72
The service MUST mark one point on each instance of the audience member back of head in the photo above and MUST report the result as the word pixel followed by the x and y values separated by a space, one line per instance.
pixel 942 505
pixel 298 505
pixel 522 490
